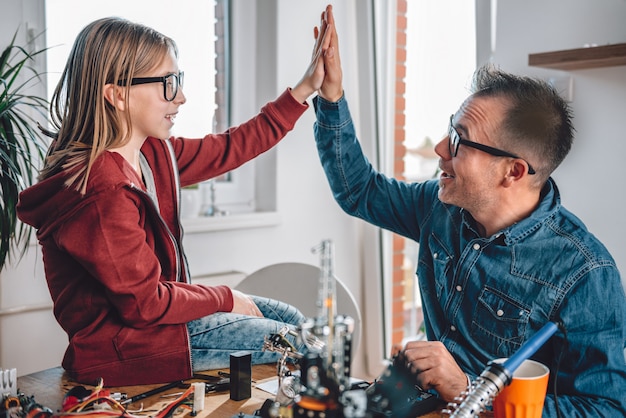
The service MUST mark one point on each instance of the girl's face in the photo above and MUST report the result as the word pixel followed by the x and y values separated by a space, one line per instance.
pixel 151 114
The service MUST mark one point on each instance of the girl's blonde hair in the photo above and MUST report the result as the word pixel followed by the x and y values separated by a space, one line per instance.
pixel 107 51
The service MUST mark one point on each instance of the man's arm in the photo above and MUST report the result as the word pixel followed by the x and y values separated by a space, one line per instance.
pixel 591 380
pixel 357 186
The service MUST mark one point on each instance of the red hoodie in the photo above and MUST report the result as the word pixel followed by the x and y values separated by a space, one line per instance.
pixel 114 262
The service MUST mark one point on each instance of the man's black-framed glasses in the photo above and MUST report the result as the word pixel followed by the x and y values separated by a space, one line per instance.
pixel 456 140
pixel 171 83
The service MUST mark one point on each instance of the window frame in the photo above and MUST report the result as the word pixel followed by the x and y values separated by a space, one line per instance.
pixel 236 191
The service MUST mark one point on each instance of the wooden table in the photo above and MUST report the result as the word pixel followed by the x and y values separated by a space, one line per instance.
pixel 49 387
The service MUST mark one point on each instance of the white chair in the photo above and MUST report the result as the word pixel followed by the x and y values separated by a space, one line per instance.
pixel 297 284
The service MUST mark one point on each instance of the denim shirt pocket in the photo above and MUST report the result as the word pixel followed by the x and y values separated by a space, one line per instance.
pixel 499 322
pixel 440 259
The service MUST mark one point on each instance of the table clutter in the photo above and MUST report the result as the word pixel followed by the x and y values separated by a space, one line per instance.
pixel 314 382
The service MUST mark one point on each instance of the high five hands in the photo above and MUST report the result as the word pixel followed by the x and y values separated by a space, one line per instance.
pixel 331 88
pixel 324 71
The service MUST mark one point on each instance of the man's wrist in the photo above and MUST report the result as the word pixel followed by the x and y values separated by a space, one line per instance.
pixel 469 380
pixel 333 98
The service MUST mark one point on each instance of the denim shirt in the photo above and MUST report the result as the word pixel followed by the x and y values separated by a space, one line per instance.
pixel 483 297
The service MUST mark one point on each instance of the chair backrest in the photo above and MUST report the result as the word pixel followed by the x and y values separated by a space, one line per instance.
pixel 297 284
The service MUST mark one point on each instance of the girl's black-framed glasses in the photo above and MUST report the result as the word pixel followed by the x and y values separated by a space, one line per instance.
pixel 171 83
pixel 455 140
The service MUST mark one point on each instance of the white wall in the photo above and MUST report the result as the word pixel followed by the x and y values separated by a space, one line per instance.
pixel 591 178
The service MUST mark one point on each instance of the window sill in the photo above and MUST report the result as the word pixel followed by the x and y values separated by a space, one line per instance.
pixel 230 222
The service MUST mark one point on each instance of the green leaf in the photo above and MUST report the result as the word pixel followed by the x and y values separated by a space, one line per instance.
pixel 22 145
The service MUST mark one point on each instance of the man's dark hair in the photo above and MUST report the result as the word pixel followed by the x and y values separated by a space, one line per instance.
pixel 538 123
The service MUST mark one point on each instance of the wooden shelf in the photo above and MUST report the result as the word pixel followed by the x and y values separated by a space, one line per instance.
pixel 581 58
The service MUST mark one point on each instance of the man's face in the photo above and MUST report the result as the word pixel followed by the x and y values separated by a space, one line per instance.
pixel 470 179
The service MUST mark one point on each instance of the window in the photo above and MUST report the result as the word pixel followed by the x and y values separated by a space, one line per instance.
pixel 203 55
pixel 65 18
pixel 424 55
pixel 440 60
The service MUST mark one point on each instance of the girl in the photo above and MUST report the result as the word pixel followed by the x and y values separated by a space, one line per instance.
pixel 106 210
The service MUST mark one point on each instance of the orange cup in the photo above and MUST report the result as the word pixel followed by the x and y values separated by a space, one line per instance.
pixel 524 396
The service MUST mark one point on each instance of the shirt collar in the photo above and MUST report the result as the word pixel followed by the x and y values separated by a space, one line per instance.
pixel 549 204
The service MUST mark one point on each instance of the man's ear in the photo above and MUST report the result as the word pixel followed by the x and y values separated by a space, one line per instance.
pixel 517 170
pixel 115 96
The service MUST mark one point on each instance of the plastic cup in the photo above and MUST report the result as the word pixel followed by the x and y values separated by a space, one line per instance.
pixel 524 396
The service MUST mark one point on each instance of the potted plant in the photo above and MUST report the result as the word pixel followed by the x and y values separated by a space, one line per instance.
pixel 22 145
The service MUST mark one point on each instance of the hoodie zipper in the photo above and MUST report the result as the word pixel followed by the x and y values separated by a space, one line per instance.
pixel 177 257
pixel 172 156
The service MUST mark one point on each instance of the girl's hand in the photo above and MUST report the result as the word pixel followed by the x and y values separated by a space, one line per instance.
pixel 315 73
pixel 243 304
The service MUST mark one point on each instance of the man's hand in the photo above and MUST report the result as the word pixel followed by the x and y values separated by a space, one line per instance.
pixel 332 88
pixel 435 368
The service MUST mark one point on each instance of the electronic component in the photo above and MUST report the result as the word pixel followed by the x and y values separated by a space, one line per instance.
pixel 323 388
pixel 199 390
pixel 325 366
pixel 221 385
pixel 8 382
pixel 240 375
pixel 154 391
pixel 395 394
pixel 496 376
pixel 20 405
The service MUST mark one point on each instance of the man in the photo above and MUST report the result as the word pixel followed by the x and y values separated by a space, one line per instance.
pixel 499 256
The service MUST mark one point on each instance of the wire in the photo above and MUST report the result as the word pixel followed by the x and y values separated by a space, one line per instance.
pixel 558 365
pixel 97 403
pixel 93 406
pixel 172 406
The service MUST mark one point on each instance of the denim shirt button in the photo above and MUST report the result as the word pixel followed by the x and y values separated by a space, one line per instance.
pixel 500 312
pixel 459 288
pixel 452 328
pixel 435 255
pixel 476 247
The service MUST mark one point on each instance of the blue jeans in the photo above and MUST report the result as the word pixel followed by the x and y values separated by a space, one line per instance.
pixel 214 337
